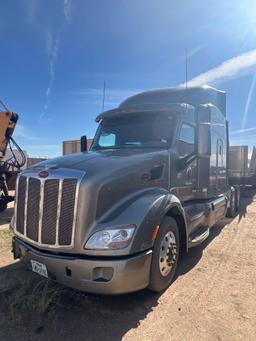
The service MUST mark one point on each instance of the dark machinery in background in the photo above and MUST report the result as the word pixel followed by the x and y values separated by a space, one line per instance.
pixel 12 162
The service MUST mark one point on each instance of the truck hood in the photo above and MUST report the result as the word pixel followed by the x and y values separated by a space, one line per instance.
pixel 121 173
pixel 111 179
pixel 94 162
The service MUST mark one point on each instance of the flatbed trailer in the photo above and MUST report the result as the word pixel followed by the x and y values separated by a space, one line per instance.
pixel 242 170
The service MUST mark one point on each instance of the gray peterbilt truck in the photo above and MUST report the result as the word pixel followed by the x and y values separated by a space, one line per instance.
pixel 116 219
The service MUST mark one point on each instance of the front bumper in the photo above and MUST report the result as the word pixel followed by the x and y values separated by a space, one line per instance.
pixel 115 275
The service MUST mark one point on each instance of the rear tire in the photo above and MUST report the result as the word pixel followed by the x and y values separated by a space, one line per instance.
pixel 231 211
pixel 165 255
pixel 238 194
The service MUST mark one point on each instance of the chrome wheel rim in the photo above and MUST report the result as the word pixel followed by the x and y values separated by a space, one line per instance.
pixel 168 253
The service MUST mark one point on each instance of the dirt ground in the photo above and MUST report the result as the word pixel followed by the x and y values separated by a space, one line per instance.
pixel 212 298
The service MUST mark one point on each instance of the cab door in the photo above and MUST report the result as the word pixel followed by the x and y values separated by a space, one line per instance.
pixel 186 178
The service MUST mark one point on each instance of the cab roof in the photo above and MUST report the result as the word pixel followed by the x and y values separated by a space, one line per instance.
pixel 169 99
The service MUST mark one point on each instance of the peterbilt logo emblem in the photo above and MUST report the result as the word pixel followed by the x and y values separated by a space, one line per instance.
pixel 43 174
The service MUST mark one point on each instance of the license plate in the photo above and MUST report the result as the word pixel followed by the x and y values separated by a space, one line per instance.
pixel 39 268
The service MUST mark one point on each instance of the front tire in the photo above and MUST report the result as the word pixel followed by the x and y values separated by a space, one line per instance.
pixel 165 255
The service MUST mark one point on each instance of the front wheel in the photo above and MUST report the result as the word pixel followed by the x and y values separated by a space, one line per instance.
pixel 165 255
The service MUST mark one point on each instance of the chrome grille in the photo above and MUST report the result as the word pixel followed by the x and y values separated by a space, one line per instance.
pixel 51 192
pixel 45 209
pixel 20 216
pixel 67 211
pixel 33 201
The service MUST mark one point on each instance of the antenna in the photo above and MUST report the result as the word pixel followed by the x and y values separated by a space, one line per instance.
pixel 186 52
pixel 4 106
pixel 103 96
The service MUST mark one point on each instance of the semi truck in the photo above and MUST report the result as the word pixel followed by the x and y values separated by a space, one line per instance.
pixel 116 219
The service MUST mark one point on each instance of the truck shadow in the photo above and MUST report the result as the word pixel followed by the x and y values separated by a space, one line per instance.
pixel 71 316
pixel 6 216
pixel 79 316
pixel 248 195
pixel 189 260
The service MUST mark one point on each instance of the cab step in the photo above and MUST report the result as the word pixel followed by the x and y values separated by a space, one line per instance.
pixel 198 236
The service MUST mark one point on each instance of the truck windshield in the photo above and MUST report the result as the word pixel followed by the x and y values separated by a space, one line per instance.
pixel 141 130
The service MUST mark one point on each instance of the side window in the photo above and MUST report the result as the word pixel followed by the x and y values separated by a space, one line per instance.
pixel 186 141
pixel 107 140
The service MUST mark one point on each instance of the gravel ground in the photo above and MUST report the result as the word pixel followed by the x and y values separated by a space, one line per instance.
pixel 212 298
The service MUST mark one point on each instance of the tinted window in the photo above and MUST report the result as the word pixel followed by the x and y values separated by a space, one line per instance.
pixel 107 139
pixel 150 130
pixel 186 142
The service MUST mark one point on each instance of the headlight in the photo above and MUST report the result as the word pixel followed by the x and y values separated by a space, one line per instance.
pixel 111 239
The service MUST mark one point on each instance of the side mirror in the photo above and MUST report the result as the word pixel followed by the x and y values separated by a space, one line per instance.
pixel 83 143
pixel 204 140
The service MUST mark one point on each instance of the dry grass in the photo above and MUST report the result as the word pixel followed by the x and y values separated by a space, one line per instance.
pixel 5 239
pixel 29 302
pixel 26 299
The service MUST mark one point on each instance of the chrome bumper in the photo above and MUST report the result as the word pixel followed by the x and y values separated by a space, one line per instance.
pixel 115 275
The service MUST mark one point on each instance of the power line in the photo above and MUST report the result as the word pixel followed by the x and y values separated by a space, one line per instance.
pixel 186 67
pixel 103 96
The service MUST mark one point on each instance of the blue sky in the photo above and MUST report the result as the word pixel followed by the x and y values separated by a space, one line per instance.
pixel 56 54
